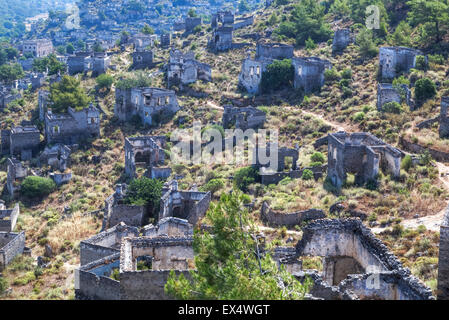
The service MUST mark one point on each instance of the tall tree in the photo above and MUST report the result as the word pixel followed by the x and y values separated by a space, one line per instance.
pixel 432 15
pixel 68 93
pixel 229 261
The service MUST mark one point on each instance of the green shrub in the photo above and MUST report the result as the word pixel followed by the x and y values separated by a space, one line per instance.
pixel 346 74
pixel 244 177
pixel 425 89
pixel 213 185
pixel 307 174
pixel 421 63
pixel 331 75
pixel 392 107
pixel 318 157
pixel 406 163
pixel 359 116
pixel 34 186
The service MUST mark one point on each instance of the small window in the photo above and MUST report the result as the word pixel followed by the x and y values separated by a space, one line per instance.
pixel 167 100
pixel 56 129
pixel 258 71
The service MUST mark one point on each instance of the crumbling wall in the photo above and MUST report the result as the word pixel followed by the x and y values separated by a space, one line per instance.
pixel 309 73
pixel 8 218
pixel 444 119
pixel 276 51
pixel 393 60
pixel 11 245
pixel 342 38
pixel 146 285
pixel 290 219
pixel 443 259
pixel 386 93
pixel 94 282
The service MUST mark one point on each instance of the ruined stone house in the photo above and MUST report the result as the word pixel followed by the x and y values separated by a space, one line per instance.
pixel 278 51
pixel 82 62
pixel 242 22
pixel 394 60
pixel 8 217
pixel 24 142
pixel 147 152
pixel 250 76
pixel 243 118
pixel 56 156
pixel 356 265
pixel 165 40
pixel 142 59
pixel 444 118
pixel 361 154
pixel 387 93
pixel 342 38
pixel 192 22
pixel 309 73
pixel 183 68
pixel 142 41
pixel 16 173
pixel 38 48
pixel 8 95
pixel 221 39
pixel 189 205
pixel 73 126
pixel 152 105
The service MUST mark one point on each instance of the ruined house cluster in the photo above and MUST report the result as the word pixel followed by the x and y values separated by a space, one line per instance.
pixel 143 254
pixel 83 62
pixel 183 69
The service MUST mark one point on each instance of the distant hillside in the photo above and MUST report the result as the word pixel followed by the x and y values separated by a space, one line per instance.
pixel 14 13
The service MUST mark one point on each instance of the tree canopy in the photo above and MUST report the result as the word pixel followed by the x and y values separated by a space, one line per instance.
pixel 231 263
pixel 68 93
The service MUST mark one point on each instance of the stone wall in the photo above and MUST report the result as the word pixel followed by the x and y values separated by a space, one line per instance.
pixel 93 284
pixel 443 259
pixel 309 73
pixel 290 219
pixel 11 245
pixel 146 285
pixel 416 148
pixel 8 219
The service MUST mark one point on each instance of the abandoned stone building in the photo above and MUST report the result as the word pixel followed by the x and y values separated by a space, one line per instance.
pixel 342 38
pixel 171 226
pixel 142 59
pixel 225 17
pixel 189 205
pixel 24 142
pixel 221 39
pixel 289 219
pixel 56 156
pixel 444 118
pixel 243 118
pixel 309 73
pixel 8 217
pixel 38 48
pixel 394 60
pixel 159 255
pixel 278 51
pixel 183 68
pixel 7 95
pixel 387 93
pixel 16 172
pixel 153 105
pixel 73 126
pixel 192 22
pixel 165 40
pixel 81 62
pixel 142 41
pixel 105 243
pixel 356 265
pixel 148 153
pixel 12 244
pixel 361 154
pixel 250 76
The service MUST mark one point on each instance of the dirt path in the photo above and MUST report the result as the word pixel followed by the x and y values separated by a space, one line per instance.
pixel 212 105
